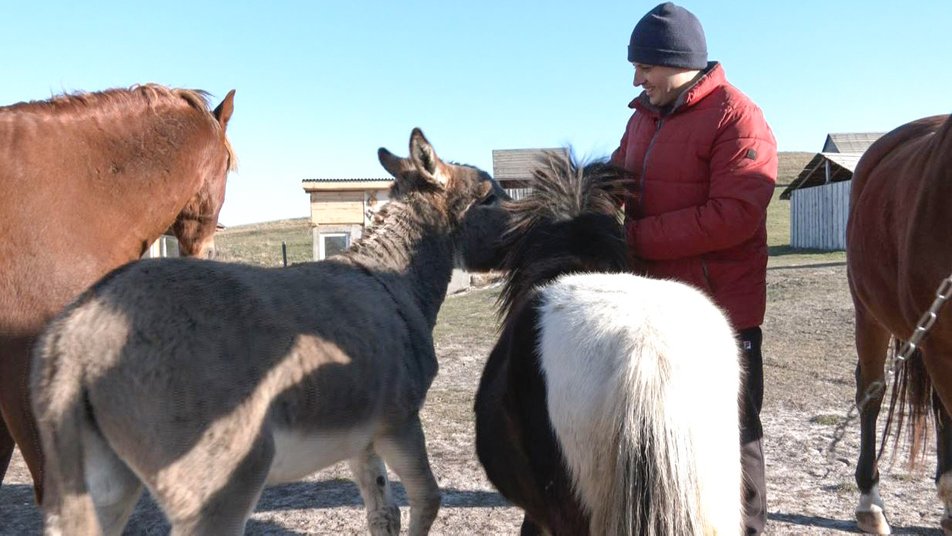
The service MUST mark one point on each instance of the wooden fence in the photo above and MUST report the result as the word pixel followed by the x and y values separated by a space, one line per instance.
pixel 818 216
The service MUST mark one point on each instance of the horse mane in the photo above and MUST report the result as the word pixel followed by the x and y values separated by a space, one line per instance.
pixel 77 103
pixel 570 222
pixel 118 102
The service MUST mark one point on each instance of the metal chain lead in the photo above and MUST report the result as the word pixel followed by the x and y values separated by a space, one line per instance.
pixel 878 387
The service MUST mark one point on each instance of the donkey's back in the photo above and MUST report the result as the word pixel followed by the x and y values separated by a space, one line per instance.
pixel 242 375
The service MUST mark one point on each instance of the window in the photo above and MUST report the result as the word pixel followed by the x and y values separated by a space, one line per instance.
pixel 164 246
pixel 333 243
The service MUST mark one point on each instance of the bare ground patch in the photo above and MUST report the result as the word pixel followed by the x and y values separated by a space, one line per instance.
pixel 808 349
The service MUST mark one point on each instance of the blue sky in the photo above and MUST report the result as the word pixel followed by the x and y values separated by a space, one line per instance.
pixel 321 85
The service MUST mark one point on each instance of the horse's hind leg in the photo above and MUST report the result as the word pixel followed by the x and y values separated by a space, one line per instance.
pixel 943 469
pixel 404 450
pixel 871 346
pixel 383 515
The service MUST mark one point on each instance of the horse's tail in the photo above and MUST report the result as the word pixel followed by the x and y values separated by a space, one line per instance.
pixel 647 418
pixel 912 398
pixel 61 409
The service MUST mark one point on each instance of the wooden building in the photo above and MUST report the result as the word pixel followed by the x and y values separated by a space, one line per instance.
pixel 167 245
pixel 820 195
pixel 513 167
pixel 341 209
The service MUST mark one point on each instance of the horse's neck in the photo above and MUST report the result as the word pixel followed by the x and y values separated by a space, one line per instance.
pixel 125 200
pixel 411 253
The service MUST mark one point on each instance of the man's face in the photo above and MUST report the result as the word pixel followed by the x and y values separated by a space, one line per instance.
pixel 662 84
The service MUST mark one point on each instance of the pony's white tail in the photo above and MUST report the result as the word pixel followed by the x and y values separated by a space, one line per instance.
pixel 62 417
pixel 642 381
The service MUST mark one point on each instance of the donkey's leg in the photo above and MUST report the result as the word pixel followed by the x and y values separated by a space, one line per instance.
pixel 871 346
pixel 383 515
pixel 943 468
pixel 114 488
pixel 404 450
pixel 228 509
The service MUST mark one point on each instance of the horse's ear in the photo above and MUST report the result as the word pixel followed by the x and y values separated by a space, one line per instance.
pixel 426 160
pixel 224 110
pixel 394 165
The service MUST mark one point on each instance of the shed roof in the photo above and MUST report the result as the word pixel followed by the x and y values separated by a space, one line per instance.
pixel 849 142
pixel 346 183
pixel 842 166
pixel 517 164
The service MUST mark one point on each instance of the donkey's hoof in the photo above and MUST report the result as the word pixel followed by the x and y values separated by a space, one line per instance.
pixel 874 522
pixel 384 522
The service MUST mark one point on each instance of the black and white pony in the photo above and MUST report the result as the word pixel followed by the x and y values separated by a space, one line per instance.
pixel 609 404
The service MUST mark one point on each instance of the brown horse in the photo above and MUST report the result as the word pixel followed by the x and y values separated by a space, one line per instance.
pixel 898 251
pixel 89 181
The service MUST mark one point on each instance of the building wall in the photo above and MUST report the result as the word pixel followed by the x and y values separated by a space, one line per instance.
pixel 818 216
pixel 339 217
pixel 331 208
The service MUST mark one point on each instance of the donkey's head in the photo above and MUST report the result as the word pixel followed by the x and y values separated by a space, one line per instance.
pixel 467 196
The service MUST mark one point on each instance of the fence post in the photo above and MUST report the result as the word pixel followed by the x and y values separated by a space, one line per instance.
pixel 284 253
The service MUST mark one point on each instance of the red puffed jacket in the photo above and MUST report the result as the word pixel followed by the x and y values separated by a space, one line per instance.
pixel 705 172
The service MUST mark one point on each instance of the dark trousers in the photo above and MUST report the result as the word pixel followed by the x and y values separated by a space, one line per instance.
pixel 751 431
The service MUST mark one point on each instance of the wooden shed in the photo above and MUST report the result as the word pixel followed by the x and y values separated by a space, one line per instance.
pixel 513 167
pixel 820 195
pixel 341 208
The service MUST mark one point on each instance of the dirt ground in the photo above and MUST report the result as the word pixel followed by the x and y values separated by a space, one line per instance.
pixel 809 361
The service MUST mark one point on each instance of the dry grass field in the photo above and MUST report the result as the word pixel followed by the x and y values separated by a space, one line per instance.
pixel 809 360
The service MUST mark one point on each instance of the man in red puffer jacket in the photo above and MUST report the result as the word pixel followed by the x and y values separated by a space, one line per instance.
pixel 705 163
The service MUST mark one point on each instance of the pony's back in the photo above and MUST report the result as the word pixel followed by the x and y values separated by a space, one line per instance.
pixel 642 379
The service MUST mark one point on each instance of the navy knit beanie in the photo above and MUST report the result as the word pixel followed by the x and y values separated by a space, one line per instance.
pixel 669 35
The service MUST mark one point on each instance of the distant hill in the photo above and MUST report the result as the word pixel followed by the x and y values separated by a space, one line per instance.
pixel 260 243
pixel 791 164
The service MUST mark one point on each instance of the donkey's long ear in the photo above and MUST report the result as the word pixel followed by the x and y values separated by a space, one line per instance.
pixel 224 110
pixel 394 165
pixel 424 158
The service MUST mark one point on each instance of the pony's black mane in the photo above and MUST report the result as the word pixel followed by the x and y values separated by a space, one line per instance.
pixel 570 222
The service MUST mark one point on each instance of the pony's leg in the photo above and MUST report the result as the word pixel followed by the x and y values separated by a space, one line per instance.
pixel 943 469
pixel 114 488
pixel 404 450
pixel 529 528
pixel 871 345
pixel 228 509
pixel 383 515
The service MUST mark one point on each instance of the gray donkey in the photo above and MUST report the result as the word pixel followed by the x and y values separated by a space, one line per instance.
pixel 206 381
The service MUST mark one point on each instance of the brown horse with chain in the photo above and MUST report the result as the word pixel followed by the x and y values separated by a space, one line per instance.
pixel 899 251
pixel 89 181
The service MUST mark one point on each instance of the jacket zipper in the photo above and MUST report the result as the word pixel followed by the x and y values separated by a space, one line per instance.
pixel 644 166
pixel 707 275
